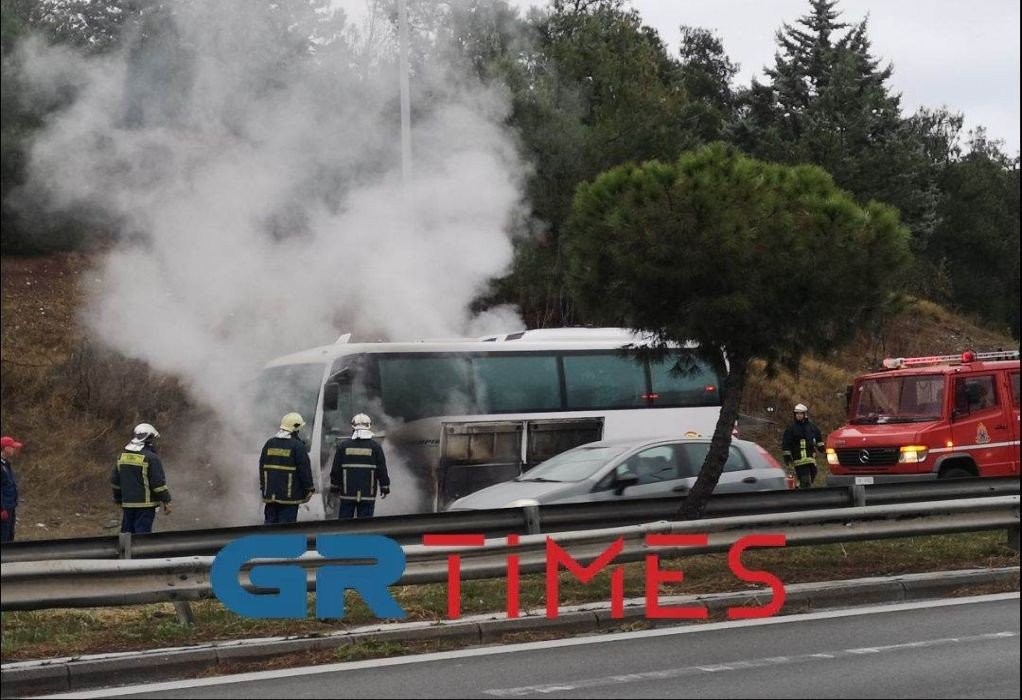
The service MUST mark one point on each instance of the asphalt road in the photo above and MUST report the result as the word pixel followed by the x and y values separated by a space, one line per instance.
pixel 963 648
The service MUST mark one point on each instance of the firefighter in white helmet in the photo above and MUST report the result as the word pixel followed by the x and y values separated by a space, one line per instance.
pixel 801 443
pixel 139 482
pixel 359 469
pixel 285 473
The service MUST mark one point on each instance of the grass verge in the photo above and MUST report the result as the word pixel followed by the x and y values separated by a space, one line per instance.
pixel 59 633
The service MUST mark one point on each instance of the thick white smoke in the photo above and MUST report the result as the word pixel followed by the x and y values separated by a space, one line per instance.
pixel 263 198
pixel 259 191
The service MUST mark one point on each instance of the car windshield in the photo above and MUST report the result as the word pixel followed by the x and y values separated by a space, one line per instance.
pixel 906 399
pixel 574 465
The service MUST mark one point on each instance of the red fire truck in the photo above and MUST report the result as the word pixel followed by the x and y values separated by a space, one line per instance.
pixel 938 417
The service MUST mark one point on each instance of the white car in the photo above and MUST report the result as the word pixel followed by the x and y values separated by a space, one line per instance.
pixel 613 470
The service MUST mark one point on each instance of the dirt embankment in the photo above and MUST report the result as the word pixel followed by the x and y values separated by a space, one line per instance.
pixel 69 399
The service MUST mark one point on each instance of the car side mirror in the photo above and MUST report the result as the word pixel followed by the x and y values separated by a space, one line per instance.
pixel 623 480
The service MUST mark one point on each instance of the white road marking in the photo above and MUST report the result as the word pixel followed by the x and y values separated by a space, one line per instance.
pixel 528 646
pixel 662 674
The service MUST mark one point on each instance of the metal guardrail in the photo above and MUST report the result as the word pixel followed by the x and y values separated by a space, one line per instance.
pixel 497 523
pixel 74 583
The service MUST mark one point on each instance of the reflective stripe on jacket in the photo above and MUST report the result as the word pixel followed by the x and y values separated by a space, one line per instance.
pixel 285 473
pixel 138 480
pixel 359 467
pixel 799 443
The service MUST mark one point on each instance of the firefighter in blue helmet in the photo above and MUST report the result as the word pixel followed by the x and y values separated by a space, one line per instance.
pixel 139 483
pixel 800 444
pixel 359 467
pixel 285 473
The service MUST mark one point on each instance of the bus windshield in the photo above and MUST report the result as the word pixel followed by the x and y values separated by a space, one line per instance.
pixel 899 399
pixel 281 390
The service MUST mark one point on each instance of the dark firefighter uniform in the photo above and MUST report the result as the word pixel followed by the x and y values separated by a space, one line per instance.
pixel 139 487
pixel 359 467
pixel 285 476
pixel 801 442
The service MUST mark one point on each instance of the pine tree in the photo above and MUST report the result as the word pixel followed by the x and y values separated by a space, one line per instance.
pixel 828 102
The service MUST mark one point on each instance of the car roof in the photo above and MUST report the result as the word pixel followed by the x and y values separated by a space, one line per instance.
pixel 648 440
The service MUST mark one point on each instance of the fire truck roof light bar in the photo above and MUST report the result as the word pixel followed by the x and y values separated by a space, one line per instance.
pixel 967 356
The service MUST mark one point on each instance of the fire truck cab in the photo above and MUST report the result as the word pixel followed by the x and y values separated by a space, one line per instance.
pixel 938 417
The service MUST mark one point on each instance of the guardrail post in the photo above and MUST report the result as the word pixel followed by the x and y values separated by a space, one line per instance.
pixel 858 495
pixel 183 609
pixel 184 612
pixel 124 545
pixel 1013 537
pixel 532 522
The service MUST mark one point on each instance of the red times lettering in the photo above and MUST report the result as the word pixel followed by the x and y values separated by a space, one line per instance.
pixel 556 556
pixel 734 561
pixel 453 565
pixel 655 576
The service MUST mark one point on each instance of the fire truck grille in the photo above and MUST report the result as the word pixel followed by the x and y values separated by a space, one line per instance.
pixel 868 458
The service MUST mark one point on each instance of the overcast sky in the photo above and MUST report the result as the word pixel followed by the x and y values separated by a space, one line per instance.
pixel 963 54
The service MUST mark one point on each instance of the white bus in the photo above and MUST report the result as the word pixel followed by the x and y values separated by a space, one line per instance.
pixel 457 415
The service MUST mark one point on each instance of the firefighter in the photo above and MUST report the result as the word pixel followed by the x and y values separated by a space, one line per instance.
pixel 285 473
pixel 359 466
pixel 802 441
pixel 139 483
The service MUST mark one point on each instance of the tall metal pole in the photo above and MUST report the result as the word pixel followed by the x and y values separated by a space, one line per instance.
pixel 406 117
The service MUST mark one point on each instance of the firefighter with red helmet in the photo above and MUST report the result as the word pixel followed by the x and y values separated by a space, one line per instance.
pixel 8 488
pixel 801 443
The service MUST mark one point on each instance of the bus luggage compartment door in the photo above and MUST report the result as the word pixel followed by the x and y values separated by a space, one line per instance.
pixel 477 454
pixel 552 436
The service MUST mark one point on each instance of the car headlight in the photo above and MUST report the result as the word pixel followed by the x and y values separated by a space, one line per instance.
pixel 522 502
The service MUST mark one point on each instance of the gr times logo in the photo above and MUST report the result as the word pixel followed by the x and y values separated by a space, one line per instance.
pixel 278 584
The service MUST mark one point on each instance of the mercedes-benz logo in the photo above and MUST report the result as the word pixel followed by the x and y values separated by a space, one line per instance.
pixel 863 456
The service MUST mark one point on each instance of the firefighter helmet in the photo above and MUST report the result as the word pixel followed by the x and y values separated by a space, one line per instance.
pixel 361 422
pixel 144 432
pixel 292 423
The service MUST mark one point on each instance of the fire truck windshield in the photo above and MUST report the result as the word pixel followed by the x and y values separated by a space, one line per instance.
pixel 899 399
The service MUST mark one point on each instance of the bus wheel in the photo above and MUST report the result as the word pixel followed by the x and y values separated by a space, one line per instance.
pixel 957 473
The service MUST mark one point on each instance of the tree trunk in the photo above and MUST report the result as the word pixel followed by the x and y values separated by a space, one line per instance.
pixel 734 384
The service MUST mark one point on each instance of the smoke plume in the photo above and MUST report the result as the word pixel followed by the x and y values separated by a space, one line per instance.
pixel 255 179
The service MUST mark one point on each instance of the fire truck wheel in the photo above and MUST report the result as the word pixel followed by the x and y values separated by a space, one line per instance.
pixel 956 473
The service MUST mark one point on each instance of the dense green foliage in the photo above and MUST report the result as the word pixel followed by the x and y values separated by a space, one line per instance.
pixel 763 260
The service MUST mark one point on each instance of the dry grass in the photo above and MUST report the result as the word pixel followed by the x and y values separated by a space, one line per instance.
pixel 70 400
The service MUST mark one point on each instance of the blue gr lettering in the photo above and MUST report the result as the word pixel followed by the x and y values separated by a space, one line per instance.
pixel 287 582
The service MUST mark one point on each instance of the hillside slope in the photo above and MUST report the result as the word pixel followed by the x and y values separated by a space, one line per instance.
pixel 74 403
